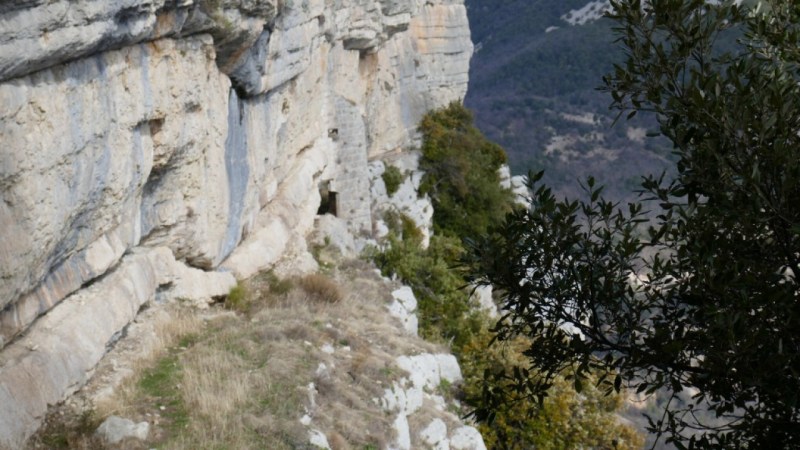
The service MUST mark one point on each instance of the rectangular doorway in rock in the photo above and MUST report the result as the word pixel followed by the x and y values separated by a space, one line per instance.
pixel 329 201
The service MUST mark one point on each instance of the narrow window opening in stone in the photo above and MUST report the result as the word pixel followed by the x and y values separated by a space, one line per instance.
pixel 329 202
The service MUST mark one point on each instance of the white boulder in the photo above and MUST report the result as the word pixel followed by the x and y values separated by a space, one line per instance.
pixel 467 438
pixel 116 429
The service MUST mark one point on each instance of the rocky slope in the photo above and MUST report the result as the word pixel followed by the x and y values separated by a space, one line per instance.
pixel 297 362
pixel 157 149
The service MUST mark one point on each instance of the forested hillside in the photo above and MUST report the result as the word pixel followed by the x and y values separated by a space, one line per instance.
pixel 533 85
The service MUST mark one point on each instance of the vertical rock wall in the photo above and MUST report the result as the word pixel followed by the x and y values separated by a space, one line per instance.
pixel 198 131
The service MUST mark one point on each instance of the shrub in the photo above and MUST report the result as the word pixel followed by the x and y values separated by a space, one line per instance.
pixel 461 174
pixel 278 286
pixel 565 420
pixel 237 298
pixel 410 229
pixel 321 289
pixel 392 178
pixel 402 226
pixel 443 306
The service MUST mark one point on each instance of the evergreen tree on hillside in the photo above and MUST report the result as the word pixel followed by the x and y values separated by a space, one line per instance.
pixel 461 173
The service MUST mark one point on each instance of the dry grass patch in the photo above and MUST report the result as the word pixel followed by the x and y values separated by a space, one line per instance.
pixel 243 391
pixel 320 288
pixel 240 377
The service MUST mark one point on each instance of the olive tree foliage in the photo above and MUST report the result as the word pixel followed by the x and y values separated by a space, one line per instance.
pixel 702 299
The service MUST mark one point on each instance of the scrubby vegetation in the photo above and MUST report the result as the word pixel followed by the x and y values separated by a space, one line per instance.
pixel 564 421
pixel 444 310
pixel 392 179
pixel 461 173
pixel 462 179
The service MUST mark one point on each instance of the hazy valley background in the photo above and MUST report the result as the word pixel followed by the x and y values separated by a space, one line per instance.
pixel 533 89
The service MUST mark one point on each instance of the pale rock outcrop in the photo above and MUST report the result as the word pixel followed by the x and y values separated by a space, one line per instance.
pixel 147 142
pixel 116 429
pixel 58 353
pixel 426 372
pixel 37 34
pixel 55 357
pixel 517 185
pixel 402 433
pixel 105 157
pixel 196 286
pixel 404 308
pixel 482 296
pixel 331 230
pixel 155 147
pixel 435 435
pixel 318 439
pixel 406 200
pixel 467 438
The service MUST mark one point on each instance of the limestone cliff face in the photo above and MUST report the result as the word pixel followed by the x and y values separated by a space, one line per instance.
pixel 143 140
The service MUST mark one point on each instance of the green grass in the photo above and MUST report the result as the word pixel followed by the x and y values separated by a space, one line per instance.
pixel 162 382
pixel 237 298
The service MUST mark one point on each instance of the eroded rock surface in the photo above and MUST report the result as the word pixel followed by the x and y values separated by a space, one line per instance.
pixel 203 129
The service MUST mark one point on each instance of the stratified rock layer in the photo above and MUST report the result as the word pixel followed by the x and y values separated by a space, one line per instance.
pixel 202 128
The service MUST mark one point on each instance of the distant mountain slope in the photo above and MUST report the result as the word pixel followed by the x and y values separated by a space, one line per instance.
pixel 533 85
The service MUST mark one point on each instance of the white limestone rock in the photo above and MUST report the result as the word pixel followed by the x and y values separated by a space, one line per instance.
pixel 516 184
pixel 56 355
pixel 333 231
pixel 111 155
pixel 504 172
pixel 428 370
pixel 406 200
pixel 404 308
pixel 520 189
pixel 285 52
pixel 147 127
pixel 318 439
pixel 442 29
pixel 116 429
pixel 402 433
pixel 467 438
pixel 290 215
pixel 405 296
pixel 423 370
pixel 394 399
pixel 410 395
pixel 197 286
pixel 35 35
pixel 88 264
pixel 448 368
pixel 435 434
